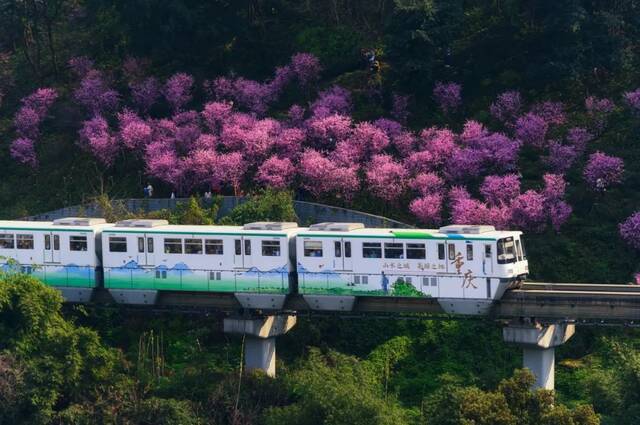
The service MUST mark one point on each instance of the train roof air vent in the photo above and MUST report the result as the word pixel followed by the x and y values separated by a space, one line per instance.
pixel 141 223
pixel 467 229
pixel 336 227
pixel 270 225
pixel 78 221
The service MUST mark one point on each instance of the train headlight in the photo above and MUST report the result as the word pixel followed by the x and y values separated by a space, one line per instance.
pixel 510 271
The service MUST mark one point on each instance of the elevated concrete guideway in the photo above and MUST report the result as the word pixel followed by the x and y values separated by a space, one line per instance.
pixel 598 306
pixel 538 317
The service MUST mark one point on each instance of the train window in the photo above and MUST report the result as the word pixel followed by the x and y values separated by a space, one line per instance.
pixel 452 251
pixel 416 251
pixel 47 241
pixel 77 243
pixel 518 250
pixel 347 249
pixel 313 248
pixel 172 246
pixel 270 248
pixel 524 252
pixel 213 247
pixel 140 244
pixel 506 251
pixel 6 241
pixel 371 250
pixel 247 247
pixel 393 250
pixel 469 252
pixel 487 251
pixel 24 241
pixel 238 247
pixel 193 246
pixel 337 246
pixel 440 251
pixel 150 245
pixel 117 244
pixel 56 242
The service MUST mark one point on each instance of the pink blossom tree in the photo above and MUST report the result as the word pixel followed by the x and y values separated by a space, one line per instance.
pixel 368 140
pixel 554 189
pixel 439 142
pixel 579 137
pixel 559 213
pixel 466 210
pixel 528 211
pixel 215 113
pixel 306 67
pixel 386 177
pixel 427 184
pixel 145 93
pixel 500 190
pixel 95 94
pixel 96 137
pixel 448 96
pixel 428 208
pixel 327 131
pixel 134 132
pixel 23 150
pixel 177 90
pixel 599 110
pixel 507 107
pixel 632 99
pixel 552 112
pixel 335 100
pixel 27 122
pixel 561 157
pixel 603 171
pixel 321 176
pixel 532 129
pixel 630 230
pixel 276 172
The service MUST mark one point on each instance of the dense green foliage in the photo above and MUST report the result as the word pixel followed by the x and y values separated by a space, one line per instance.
pixel 77 366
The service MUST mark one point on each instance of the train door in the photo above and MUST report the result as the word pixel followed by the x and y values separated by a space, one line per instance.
pixel 454 258
pixel 342 251
pixel 487 259
pixel 51 248
pixel 243 253
pixel 347 260
pixel 146 250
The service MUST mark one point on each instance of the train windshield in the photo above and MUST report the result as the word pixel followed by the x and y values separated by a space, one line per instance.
pixel 506 250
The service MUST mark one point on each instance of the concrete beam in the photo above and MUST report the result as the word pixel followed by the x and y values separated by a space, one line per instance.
pixel 538 344
pixel 536 335
pixel 260 339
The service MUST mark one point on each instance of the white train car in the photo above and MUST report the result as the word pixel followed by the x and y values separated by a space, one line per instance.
pixel 64 253
pixel 151 255
pixel 465 267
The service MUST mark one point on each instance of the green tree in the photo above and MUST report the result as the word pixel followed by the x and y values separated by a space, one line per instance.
pixel 267 205
pixel 512 403
pixel 50 359
pixel 335 389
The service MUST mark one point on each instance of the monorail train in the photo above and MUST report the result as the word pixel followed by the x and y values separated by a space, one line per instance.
pixel 465 267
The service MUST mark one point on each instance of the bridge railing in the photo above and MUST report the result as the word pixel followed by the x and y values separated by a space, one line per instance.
pixel 307 212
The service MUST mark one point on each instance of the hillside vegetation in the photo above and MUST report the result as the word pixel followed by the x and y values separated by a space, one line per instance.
pixel 513 113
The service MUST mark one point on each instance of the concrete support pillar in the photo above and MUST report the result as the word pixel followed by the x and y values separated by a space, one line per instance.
pixel 538 344
pixel 260 339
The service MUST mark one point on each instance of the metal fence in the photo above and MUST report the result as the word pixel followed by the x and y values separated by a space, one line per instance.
pixel 307 212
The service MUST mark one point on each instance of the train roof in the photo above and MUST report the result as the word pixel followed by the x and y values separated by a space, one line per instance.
pixel 67 224
pixel 467 232
pixel 271 229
